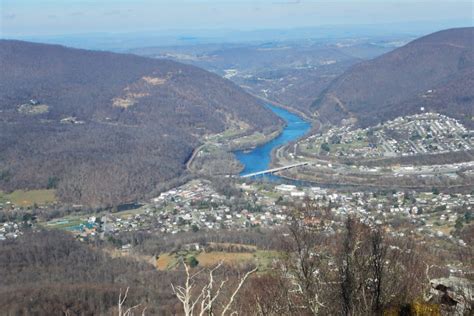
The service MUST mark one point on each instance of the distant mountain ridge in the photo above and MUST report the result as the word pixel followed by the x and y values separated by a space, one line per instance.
pixel 108 127
pixel 434 72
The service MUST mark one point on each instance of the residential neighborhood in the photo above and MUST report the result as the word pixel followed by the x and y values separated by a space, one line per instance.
pixel 197 205
pixel 419 134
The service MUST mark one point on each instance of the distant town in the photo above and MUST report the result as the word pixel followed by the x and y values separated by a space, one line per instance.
pixel 416 151
pixel 198 206
pixel 426 133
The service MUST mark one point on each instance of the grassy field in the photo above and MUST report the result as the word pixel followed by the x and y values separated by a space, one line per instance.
pixel 262 258
pixel 69 221
pixel 165 262
pixel 65 222
pixel 252 139
pixel 209 259
pixel 28 198
pixel 315 147
pixel 225 135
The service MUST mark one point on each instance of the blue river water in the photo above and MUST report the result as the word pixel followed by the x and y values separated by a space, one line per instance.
pixel 259 158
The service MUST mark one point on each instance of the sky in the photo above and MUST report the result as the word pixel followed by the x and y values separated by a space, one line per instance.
pixel 55 17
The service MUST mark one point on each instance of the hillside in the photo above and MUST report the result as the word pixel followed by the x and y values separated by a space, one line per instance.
pixel 106 128
pixel 292 73
pixel 435 72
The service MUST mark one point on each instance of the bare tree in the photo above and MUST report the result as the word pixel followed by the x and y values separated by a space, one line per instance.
pixel 268 294
pixel 308 263
pixel 205 296
pixel 360 267
pixel 306 267
pixel 376 271
pixel 363 269
pixel 120 305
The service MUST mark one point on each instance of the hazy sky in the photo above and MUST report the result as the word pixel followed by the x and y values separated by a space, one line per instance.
pixel 53 17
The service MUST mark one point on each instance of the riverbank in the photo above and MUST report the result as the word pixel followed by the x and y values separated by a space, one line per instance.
pixel 228 142
pixel 300 113
pixel 254 152
pixel 260 158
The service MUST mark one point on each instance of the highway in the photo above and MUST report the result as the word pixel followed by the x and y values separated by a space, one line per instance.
pixel 253 174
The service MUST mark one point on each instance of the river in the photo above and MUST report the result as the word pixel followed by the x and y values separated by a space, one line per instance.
pixel 259 158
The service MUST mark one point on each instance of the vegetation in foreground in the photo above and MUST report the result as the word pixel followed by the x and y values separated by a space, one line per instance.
pixel 357 270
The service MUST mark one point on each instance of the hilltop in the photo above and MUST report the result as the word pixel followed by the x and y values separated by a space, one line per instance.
pixel 435 72
pixel 292 73
pixel 105 128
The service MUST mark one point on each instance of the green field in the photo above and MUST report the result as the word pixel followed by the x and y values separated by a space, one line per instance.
pixel 315 147
pixel 29 198
pixel 65 223
pixel 262 258
pixel 225 135
pixel 349 146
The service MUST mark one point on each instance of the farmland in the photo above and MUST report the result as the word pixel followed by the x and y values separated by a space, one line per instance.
pixel 262 258
pixel 28 198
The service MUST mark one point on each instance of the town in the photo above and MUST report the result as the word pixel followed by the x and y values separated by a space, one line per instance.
pixel 418 151
pixel 197 205
pixel 420 134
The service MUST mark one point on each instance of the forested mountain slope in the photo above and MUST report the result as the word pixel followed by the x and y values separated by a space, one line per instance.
pixel 106 128
pixel 434 72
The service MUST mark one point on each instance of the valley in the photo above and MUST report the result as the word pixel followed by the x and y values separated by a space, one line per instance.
pixel 291 73
pixel 316 176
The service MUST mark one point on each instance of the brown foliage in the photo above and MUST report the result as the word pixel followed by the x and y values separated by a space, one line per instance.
pixel 118 154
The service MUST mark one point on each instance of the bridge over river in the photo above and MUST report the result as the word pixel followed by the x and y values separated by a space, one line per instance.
pixel 257 161
pixel 269 171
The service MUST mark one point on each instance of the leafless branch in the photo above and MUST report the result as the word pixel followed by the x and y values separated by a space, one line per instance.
pixel 232 297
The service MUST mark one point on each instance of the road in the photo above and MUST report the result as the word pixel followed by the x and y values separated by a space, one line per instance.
pixel 273 170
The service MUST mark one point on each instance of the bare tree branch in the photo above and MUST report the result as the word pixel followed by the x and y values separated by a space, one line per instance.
pixel 232 297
